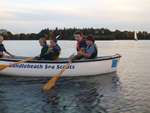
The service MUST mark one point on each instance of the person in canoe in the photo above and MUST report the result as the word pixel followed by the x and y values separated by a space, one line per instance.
pixel 43 44
pixel 54 49
pixel 48 52
pixel 3 49
pixel 81 43
pixel 91 50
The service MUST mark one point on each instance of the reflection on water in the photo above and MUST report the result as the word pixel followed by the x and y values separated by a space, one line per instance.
pixel 71 95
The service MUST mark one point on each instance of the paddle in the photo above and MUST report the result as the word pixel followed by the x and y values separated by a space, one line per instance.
pixel 3 66
pixel 57 36
pixel 52 82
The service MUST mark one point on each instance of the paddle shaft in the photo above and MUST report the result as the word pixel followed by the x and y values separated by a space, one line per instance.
pixel 4 66
pixel 52 82
pixel 23 61
pixel 64 68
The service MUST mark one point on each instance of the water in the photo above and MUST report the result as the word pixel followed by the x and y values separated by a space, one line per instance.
pixel 127 91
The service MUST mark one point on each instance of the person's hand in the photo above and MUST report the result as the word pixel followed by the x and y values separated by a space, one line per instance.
pixel 37 58
pixel 82 49
pixel 1 53
pixel 13 56
pixel 81 52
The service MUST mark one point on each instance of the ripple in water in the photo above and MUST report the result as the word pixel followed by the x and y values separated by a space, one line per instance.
pixel 71 95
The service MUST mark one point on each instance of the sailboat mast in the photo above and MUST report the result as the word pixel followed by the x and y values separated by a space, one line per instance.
pixel 135 36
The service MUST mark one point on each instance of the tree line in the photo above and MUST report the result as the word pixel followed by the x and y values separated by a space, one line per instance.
pixel 67 34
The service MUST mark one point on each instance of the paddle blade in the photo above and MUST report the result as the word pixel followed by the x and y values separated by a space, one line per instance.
pixel 51 83
pixel 3 66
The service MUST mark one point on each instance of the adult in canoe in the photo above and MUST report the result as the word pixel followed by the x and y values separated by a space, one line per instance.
pixel 91 49
pixel 3 49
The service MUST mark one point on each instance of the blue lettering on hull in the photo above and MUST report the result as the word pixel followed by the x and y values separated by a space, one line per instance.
pixel 39 66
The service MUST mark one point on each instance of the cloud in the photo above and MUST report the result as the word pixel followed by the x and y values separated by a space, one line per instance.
pixel 114 14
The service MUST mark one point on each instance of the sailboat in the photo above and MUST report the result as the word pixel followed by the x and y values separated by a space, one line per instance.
pixel 135 36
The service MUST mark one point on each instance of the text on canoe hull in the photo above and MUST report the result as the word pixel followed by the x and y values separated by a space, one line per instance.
pixel 40 66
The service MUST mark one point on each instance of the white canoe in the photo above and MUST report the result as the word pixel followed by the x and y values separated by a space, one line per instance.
pixel 84 67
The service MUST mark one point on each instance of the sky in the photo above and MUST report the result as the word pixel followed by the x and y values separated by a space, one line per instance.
pixel 27 16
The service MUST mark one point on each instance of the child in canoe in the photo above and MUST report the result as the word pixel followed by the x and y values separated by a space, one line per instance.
pixel 3 49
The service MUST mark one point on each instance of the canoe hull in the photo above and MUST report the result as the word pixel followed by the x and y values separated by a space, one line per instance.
pixel 49 69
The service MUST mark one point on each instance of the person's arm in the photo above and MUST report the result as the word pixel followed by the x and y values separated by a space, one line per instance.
pixel 9 54
pixel 44 52
pixel 57 49
pixel 1 53
pixel 88 53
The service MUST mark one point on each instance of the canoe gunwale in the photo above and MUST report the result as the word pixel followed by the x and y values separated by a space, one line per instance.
pixel 66 61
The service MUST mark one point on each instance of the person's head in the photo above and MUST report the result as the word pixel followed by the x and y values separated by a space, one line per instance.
pixel 53 42
pixel 42 41
pixel 78 36
pixel 1 39
pixel 90 40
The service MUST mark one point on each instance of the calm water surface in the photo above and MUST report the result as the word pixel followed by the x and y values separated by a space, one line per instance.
pixel 127 91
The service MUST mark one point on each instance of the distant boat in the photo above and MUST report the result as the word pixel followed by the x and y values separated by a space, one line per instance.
pixel 135 36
